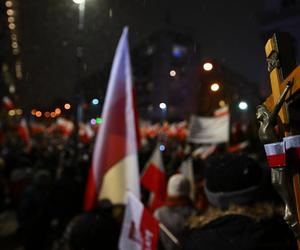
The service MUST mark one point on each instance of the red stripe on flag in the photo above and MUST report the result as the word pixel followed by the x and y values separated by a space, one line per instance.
pixel 153 179
pixel 149 230
pixel 276 160
pixel 91 194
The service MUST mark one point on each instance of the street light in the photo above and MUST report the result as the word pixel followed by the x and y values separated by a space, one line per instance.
pixel 215 87
pixel 243 105
pixel 207 66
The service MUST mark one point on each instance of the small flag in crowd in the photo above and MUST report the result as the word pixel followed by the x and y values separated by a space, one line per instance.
pixel 7 102
pixel 211 130
pixel 139 229
pixel 186 169
pixel 115 164
pixel 154 179
pixel 23 132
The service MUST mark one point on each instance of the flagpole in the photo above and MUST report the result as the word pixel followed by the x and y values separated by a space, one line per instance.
pixel 169 234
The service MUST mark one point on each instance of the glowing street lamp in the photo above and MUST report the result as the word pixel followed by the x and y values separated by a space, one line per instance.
pixel 173 73
pixel 163 106
pixel 243 105
pixel 215 87
pixel 207 66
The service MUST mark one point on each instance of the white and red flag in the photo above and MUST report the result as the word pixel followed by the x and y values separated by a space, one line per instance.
pixel 7 102
pixel 114 166
pixel 139 229
pixel 154 179
pixel 276 154
pixel 23 132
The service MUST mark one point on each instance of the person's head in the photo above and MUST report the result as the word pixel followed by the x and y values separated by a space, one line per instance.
pixel 232 179
pixel 178 186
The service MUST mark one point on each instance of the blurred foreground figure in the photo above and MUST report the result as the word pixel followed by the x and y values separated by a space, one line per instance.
pixel 240 216
pixel 177 210
pixel 97 229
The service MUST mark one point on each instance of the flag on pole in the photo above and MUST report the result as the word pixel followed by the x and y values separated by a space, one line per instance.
pixel 154 179
pixel 275 154
pixel 139 229
pixel 114 166
pixel 23 132
pixel 186 169
pixel 211 130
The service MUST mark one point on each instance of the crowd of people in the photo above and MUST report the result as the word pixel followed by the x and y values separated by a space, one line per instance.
pixel 234 205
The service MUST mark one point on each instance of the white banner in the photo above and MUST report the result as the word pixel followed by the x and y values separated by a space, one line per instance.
pixel 211 130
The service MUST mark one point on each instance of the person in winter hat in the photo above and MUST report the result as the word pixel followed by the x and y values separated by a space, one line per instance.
pixel 177 209
pixel 240 216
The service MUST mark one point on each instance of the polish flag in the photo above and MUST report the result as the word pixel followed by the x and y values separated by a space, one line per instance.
pixel 276 154
pixel 23 132
pixel 7 102
pixel 114 166
pixel 139 229
pixel 154 179
pixel 86 132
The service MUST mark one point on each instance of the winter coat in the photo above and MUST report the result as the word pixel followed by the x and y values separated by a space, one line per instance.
pixel 258 228
pixel 174 217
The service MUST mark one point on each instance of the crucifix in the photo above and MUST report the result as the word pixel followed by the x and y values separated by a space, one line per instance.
pixel 279 117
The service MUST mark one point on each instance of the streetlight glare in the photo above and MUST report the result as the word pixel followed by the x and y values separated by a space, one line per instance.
pixel 243 105
pixel 173 73
pixel 95 101
pixel 78 1
pixel 162 105
pixel 208 66
pixel 215 87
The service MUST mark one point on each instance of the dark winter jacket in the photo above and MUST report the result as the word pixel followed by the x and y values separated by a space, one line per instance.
pixel 239 230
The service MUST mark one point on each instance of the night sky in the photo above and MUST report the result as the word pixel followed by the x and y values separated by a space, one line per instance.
pixel 226 30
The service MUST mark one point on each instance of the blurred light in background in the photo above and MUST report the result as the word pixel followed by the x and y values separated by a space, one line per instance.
pixel 173 73
pixel 93 121
pixel 243 105
pixel 162 147
pixel 207 66
pixel 222 103
pixel 8 4
pixel 57 111
pixel 163 106
pixel 38 113
pixel 95 101
pixel 215 87
pixel 12 112
pixel 99 120
pixel 178 51
pixel 19 111
pixel 67 106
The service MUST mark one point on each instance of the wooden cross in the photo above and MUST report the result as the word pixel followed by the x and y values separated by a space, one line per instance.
pixel 280 76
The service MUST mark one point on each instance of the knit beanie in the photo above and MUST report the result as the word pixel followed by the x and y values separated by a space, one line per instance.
pixel 178 185
pixel 232 178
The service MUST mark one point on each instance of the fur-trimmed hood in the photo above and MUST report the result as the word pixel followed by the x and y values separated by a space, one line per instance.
pixel 257 212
